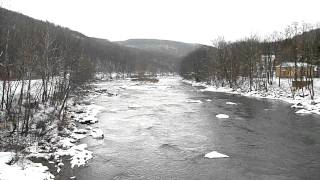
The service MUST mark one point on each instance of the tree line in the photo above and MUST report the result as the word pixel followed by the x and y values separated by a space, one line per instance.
pixel 251 61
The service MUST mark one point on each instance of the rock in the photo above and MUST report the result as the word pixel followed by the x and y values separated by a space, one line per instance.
pixel 86 102
pixel 80 112
pixel 80 131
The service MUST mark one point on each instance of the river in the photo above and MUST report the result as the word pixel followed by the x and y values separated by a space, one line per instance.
pixel 163 130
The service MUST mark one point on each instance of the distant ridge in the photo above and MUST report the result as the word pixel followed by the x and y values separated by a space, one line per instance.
pixel 175 48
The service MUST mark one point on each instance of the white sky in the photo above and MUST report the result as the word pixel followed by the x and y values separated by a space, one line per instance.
pixel 195 21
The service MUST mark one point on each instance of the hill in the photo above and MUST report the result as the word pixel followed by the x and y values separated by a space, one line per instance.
pixel 18 30
pixel 174 48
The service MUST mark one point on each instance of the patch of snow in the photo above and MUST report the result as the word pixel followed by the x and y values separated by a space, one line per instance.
pixel 65 143
pixel 77 137
pixel 222 116
pixel 86 114
pixel 79 155
pixel 215 154
pixel 23 169
pixel 231 103
pixel 208 100
pixel 303 111
pixel 97 134
pixel 300 99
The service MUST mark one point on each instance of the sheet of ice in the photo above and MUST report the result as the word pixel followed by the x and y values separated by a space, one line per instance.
pixel 222 116
pixel 231 103
pixel 23 169
pixel 214 155
pixel 97 134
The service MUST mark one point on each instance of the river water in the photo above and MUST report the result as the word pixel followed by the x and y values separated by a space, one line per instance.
pixel 163 130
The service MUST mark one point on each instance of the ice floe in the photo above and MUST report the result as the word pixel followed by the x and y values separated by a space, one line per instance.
pixel 214 155
pixel 231 103
pixel 222 116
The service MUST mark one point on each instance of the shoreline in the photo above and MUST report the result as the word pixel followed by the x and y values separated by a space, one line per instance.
pixel 303 105
pixel 62 149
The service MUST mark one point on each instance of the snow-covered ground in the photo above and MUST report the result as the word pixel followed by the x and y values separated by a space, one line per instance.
pixel 22 169
pixel 301 100
pixel 63 143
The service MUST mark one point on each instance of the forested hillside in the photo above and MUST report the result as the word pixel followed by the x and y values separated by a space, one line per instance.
pixel 174 48
pixel 252 61
pixel 43 64
pixel 66 45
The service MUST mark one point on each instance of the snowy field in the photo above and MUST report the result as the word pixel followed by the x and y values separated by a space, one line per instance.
pixel 301 101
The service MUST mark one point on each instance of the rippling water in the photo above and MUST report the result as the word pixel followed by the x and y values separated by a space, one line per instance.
pixel 163 131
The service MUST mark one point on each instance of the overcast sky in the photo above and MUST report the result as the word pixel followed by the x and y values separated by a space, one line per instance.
pixel 195 21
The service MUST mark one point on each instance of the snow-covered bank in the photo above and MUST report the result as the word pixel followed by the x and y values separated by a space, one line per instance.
pixel 22 169
pixel 300 101
pixel 62 141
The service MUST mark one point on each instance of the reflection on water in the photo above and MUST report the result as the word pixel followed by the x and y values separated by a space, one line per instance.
pixel 163 131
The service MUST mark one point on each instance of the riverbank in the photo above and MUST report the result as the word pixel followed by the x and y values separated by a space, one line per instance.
pixel 301 101
pixel 43 159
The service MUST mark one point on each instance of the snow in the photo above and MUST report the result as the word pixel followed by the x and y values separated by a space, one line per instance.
pixel 222 116
pixel 303 111
pixel 22 169
pixel 5 157
pixel 300 100
pixel 215 154
pixel 97 134
pixel 231 103
pixel 66 143
pixel 79 155
pixel 77 137
pixel 208 100
pixel 86 114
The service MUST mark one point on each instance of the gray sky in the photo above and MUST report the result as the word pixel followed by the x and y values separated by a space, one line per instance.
pixel 195 21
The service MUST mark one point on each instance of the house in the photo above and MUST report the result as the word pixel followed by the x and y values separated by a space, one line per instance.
pixel 288 69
